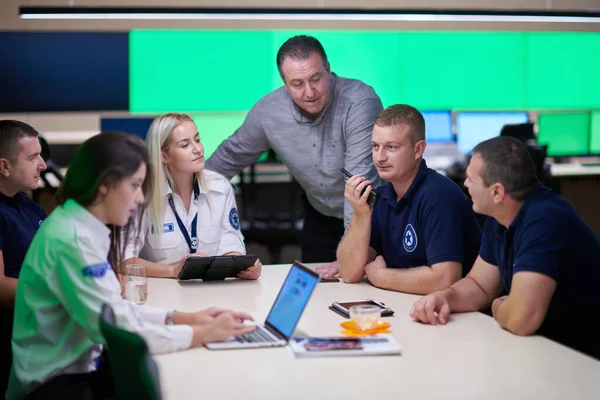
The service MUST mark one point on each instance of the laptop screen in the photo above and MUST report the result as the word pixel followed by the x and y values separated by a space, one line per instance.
pixel 292 300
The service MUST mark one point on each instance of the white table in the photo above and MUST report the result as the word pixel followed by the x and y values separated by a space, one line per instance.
pixel 470 358
pixel 573 170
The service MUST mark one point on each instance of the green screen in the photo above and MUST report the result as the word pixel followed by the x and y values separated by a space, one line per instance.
pixel 565 134
pixel 215 128
pixel 187 71
pixel 595 133
pixel 199 71
pixel 460 70
pixel 563 70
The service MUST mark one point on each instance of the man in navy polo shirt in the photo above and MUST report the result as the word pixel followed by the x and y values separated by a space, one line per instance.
pixel 535 247
pixel 20 167
pixel 422 235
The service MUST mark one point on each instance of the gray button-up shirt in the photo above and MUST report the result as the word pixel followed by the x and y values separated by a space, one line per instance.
pixel 313 150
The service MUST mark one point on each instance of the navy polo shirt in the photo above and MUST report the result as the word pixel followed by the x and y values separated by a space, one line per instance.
pixel 20 218
pixel 548 237
pixel 432 223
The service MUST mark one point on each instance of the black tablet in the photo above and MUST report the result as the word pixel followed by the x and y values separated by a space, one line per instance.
pixel 215 267
pixel 343 307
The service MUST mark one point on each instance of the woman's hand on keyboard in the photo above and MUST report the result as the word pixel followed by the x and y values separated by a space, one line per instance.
pixel 208 315
pixel 222 327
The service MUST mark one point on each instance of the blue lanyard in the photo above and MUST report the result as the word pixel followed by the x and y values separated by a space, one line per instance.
pixel 193 242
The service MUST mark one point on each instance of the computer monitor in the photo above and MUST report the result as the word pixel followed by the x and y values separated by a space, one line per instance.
pixel 137 126
pixel 438 126
pixel 566 134
pixel 595 132
pixel 473 128
pixel 524 132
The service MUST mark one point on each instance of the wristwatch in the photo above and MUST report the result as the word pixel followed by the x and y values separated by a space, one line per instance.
pixel 169 317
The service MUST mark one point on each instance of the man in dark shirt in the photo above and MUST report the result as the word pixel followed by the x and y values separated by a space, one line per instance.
pixel 535 247
pixel 20 217
pixel 422 234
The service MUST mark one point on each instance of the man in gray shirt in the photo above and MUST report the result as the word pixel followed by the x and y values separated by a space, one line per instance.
pixel 317 123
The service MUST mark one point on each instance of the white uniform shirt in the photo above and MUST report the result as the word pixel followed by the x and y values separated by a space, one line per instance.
pixel 217 225
pixel 64 281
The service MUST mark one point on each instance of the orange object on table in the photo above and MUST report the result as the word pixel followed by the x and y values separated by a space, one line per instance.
pixel 351 329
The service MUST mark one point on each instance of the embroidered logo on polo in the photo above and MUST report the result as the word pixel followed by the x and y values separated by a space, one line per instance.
pixel 234 219
pixel 409 239
pixel 96 270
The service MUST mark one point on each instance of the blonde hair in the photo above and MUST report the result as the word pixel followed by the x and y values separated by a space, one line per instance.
pixel 157 141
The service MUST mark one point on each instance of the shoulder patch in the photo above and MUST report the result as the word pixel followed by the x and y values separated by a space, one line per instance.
pixel 96 270
pixel 234 219
pixel 409 239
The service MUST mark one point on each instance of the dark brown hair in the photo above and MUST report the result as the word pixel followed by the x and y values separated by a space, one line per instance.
pixel 299 48
pixel 507 161
pixel 106 159
pixel 11 132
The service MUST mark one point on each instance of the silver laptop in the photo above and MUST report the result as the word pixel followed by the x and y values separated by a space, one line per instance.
pixel 284 315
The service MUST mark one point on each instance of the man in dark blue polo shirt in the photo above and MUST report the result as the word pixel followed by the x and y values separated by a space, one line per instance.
pixel 535 247
pixel 20 167
pixel 422 235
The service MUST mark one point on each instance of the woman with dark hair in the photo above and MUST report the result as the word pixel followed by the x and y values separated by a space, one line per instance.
pixel 68 273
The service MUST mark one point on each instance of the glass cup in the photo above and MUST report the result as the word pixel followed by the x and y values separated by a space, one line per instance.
pixel 365 317
pixel 136 283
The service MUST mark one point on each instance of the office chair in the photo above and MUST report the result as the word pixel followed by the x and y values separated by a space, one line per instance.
pixel 523 132
pixel 51 166
pixel 134 371
pixel 538 154
pixel 44 195
pixel 272 213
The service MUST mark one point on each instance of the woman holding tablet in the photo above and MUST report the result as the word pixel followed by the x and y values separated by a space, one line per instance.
pixel 68 274
pixel 191 211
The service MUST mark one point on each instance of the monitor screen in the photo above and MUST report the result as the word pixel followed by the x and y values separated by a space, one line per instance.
pixel 292 300
pixel 63 71
pixel 133 125
pixel 566 134
pixel 595 132
pixel 438 126
pixel 473 128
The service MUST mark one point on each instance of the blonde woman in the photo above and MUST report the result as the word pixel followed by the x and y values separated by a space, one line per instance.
pixel 191 211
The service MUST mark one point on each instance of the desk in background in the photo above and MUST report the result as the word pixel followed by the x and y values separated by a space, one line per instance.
pixel 470 358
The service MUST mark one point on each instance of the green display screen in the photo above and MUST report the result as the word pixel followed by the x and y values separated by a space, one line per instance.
pixel 215 128
pixel 595 132
pixel 566 134
pixel 225 71
pixel 191 71
pixel 562 70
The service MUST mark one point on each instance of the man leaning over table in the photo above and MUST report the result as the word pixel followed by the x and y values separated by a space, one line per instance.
pixel 317 123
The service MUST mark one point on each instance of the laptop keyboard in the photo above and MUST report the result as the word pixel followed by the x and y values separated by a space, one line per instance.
pixel 258 336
